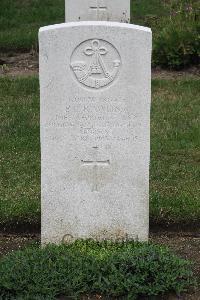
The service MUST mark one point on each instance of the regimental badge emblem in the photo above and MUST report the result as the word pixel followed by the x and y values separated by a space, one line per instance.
pixel 95 63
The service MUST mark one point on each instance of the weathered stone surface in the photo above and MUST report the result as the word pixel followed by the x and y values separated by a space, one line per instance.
pixel 95 130
pixel 97 10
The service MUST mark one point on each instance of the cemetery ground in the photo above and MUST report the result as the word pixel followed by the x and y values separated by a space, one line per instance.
pixel 174 180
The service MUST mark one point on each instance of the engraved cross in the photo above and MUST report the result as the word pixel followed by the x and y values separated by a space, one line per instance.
pixel 95 164
pixel 98 6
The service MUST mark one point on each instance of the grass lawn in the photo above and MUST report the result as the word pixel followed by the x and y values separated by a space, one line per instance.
pixel 175 156
pixel 21 19
pixel 20 151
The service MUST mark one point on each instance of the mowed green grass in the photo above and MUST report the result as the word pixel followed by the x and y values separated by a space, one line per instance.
pixel 175 152
pixel 20 151
pixel 20 19
pixel 175 155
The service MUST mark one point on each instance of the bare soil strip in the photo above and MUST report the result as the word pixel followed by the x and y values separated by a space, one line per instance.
pixel 26 64
pixel 19 64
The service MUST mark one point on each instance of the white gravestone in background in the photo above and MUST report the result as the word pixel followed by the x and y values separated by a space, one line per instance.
pixel 95 131
pixel 97 10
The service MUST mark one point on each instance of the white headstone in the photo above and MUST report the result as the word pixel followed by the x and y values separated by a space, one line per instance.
pixel 97 10
pixel 95 80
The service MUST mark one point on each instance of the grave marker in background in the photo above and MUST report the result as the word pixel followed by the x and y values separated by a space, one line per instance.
pixel 97 10
pixel 95 131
